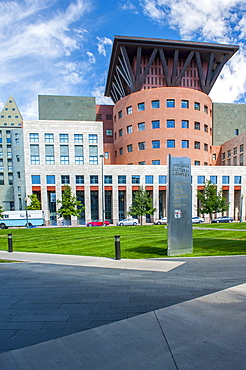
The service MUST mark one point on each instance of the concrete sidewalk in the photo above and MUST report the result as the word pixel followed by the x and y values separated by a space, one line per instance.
pixel 204 332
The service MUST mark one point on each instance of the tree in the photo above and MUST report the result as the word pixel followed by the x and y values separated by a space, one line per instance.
pixel 1 212
pixel 141 204
pixel 70 206
pixel 211 201
pixel 35 203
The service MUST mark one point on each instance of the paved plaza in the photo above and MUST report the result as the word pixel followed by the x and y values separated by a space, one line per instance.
pixel 98 313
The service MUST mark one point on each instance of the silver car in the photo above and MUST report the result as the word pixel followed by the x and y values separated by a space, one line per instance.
pixel 128 222
pixel 161 221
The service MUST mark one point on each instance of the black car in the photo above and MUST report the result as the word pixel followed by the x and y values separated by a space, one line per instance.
pixel 222 219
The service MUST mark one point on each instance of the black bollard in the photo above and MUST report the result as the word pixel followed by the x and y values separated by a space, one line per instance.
pixel 117 247
pixel 10 244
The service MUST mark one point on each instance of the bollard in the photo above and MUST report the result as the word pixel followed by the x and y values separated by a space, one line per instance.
pixel 117 247
pixel 10 244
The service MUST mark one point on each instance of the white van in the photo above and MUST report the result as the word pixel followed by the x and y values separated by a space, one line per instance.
pixel 22 218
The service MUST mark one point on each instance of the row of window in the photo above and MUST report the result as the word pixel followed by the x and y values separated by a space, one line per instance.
pixel 63 138
pixel 225 179
pixel 94 179
pixel 170 103
pixel 64 154
pixel 135 179
pixel 170 123
pixel 229 152
pixel 170 143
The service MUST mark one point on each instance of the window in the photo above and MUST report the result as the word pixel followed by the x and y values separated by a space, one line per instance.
pixel 229 162
pixel 49 138
pixel 197 163
pixel 197 106
pixel 49 154
pixel 1 179
pixel 121 151
pixel 50 179
pixel 10 177
pixel 170 143
pixel 17 158
pixel 170 123
pixel 36 179
pixel 205 109
pixel 201 179
pixel 225 179
pixel 141 106
pixel 156 162
pixel 64 154
pixel 120 114
pixel 34 152
pixel 109 117
pixel 92 138
pixel 93 179
pixel 234 161
pixel 162 179
pixel 93 154
pixel 78 138
pixel 237 179
pixel 33 138
pixel 155 124
pixel 185 144
pixel 170 103
pixel 109 132
pixel 184 123
pixel 197 145
pixel 185 104
pixel 156 144
pixel 205 128
pixel 79 179
pixel 65 179
pixel 129 110
pixel 63 138
pixel 205 147
pixel 135 179
pixel 141 126
pixel 142 163
pixel 223 155
pixel 229 153
pixel 108 179
pixel 197 126
pixel 106 155
pixel 241 148
pixel 141 146
pixel 129 148
pixel 78 154
pixel 236 131
pixel 129 129
pixel 241 159
pixel 213 179
pixel 235 150
pixel 121 179
pixel 155 104
pixel 149 179
pixel 120 132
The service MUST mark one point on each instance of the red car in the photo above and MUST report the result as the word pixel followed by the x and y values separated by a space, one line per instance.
pixel 97 223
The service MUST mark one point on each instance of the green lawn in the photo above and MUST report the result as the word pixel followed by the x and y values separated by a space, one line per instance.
pixel 136 242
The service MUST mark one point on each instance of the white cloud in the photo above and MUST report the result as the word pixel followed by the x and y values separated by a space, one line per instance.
pixel 98 92
pixel 101 44
pixel 92 59
pixel 129 6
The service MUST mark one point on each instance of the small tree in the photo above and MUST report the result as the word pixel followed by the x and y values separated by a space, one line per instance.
pixel 35 204
pixel 141 204
pixel 211 201
pixel 1 212
pixel 70 206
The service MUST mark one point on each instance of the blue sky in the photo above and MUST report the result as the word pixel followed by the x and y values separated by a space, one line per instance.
pixel 63 47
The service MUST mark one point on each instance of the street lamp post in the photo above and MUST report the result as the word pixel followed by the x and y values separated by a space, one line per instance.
pixel 102 156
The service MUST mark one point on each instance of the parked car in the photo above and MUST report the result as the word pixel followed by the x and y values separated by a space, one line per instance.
pixel 197 220
pixel 161 221
pixel 222 219
pixel 128 222
pixel 97 223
